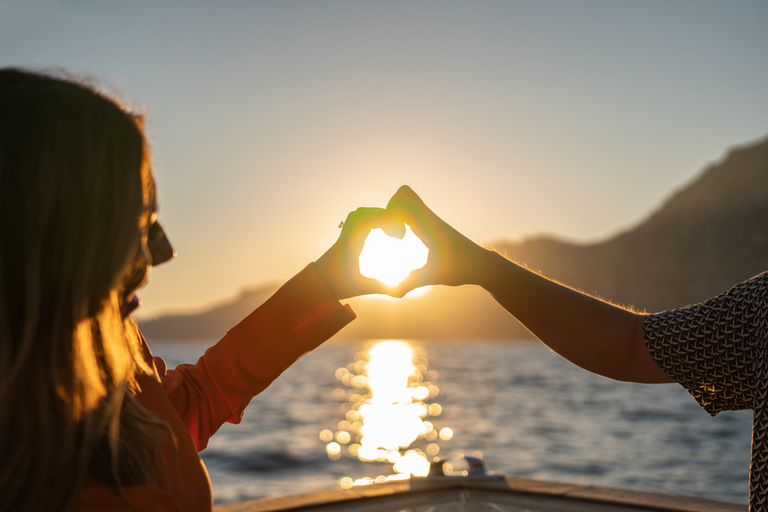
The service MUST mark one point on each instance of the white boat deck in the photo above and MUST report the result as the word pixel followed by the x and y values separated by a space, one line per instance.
pixel 481 494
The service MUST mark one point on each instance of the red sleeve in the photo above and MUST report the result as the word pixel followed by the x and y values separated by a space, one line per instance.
pixel 296 319
pixel 97 497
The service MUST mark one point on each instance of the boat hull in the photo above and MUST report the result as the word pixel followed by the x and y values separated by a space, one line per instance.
pixel 481 494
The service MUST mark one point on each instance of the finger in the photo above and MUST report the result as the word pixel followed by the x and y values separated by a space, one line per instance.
pixel 422 221
pixel 415 279
pixel 406 201
pixel 360 222
pixel 393 227
pixel 406 206
pixel 404 192
pixel 358 227
pixel 372 285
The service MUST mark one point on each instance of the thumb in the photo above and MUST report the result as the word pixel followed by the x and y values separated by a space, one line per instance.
pixel 415 279
pixel 392 226
pixel 371 285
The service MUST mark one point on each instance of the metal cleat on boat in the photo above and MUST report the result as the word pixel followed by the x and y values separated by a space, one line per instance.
pixel 475 467
pixel 436 468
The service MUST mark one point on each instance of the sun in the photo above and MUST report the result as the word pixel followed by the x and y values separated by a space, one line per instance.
pixel 390 260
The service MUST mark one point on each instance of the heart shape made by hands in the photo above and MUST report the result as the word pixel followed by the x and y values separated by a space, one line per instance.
pixel 390 260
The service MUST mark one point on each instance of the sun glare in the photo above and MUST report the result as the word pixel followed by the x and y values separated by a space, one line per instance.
pixel 386 411
pixel 390 260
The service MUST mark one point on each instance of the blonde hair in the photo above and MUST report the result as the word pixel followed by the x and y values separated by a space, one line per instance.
pixel 74 183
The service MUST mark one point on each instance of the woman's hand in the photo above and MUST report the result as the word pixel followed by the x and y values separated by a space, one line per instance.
pixel 453 258
pixel 339 267
pixel 596 335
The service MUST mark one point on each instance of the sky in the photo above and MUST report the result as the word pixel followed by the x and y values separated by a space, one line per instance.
pixel 269 121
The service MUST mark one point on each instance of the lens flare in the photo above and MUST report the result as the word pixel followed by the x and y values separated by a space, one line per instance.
pixel 390 260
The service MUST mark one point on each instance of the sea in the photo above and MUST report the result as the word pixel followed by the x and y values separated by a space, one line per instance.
pixel 350 414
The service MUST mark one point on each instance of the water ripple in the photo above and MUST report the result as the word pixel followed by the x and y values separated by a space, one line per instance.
pixel 531 413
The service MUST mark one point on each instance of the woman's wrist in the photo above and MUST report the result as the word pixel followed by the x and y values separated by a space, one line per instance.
pixel 328 272
pixel 483 267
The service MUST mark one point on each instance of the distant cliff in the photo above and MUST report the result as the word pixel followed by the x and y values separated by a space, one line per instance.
pixel 705 238
pixel 209 324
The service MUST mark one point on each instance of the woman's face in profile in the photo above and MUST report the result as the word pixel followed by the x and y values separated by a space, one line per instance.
pixel 155 250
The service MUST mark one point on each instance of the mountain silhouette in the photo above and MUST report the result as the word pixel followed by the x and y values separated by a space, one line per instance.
pixel 706 237
pixel 212 322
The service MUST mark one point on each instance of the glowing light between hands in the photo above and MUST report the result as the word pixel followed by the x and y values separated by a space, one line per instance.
pixel 390 260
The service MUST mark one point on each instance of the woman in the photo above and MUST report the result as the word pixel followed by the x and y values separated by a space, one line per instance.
pixel 716 350
pixel 88 419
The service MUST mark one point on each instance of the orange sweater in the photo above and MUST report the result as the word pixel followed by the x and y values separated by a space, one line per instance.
pixel 196 399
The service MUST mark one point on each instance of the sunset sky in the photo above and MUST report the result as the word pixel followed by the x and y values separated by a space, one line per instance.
pixel 270 121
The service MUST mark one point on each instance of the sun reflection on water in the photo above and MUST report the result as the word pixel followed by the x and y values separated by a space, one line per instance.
pixel 386 406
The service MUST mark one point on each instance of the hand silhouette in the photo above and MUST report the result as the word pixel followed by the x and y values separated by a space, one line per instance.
pixel 453 258
pixel 339 267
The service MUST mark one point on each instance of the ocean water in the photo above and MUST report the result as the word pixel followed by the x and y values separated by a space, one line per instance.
pixel 526 411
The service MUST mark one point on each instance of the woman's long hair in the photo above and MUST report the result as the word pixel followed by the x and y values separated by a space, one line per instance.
pixel 74 185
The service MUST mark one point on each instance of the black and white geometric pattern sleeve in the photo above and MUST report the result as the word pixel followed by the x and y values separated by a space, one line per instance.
pixel 715 349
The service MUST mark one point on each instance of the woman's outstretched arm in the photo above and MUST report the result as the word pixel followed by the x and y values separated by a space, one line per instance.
pixel 598 336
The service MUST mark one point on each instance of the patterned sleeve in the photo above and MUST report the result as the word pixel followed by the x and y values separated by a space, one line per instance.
pixel 714 349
